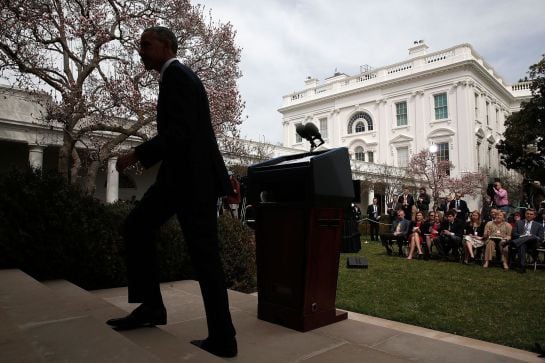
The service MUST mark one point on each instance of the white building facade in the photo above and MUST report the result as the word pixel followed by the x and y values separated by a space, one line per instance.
pixel 451 98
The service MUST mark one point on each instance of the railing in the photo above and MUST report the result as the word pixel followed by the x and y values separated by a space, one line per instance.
pixel 400 68
pixel 521 86
pixel 439 57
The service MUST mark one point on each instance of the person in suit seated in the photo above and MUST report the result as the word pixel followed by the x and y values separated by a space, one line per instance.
pixel 399 232
pixel 496 233
pixel 450 235
pixel 460 206
pixel 473 237
pixel 407 201
pixel 416 238
pixel 373 214
pixel 527 235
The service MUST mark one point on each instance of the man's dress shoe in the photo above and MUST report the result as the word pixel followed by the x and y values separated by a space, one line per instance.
pixel 224 348
pixel 142 316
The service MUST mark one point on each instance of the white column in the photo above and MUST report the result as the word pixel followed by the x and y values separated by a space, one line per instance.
pixel 36 156
pixel 371 195
pixel 112 182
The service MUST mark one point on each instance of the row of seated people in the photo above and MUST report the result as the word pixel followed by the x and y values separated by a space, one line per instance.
pixel 452 235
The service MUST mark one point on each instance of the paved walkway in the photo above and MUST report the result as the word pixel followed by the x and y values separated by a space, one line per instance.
pixel 60 322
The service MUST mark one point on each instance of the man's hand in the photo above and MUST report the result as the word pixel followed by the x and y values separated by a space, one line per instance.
pixel 126 160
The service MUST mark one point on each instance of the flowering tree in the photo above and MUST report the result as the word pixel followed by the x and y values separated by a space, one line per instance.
pixel 436 174
pixel 84 53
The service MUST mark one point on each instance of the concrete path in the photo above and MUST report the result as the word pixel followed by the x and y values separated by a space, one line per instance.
pixel 59 322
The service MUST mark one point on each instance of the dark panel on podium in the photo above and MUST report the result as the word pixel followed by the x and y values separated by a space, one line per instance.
pixel 300 202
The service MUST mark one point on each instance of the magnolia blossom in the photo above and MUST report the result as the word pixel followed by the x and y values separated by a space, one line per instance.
pixel 85 54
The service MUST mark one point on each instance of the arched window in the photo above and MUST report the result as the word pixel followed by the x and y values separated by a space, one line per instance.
pixel 359 154
pixel 360 127
pixel 356 119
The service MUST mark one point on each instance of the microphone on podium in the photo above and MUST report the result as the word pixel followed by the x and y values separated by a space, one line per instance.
pixel 310 132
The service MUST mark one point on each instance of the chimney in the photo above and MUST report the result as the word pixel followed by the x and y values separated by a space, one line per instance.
pixel 418 49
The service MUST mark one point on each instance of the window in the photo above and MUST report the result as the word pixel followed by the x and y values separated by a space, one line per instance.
pixel 441 108
pixel 401 113
pixel 486 110
pixel 323 128
pixel 370 157
pixel 402 156
pixel 359 154
pixel 476 106
pixel 360 127
pixel 442 153
pixel 497 119
pixel 298 137
pixel 357 118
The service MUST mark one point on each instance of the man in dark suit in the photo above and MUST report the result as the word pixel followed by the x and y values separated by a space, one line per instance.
pixel 398 233
pixel 407 201
pixel 450 237
pixel 527 234
pixel 373 215
pixel 423 201
pixel 191 177
pixel 460 206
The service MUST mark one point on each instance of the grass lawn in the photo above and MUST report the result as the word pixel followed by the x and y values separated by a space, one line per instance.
pixel 502 307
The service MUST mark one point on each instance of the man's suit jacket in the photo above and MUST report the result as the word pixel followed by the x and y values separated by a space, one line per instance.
pixel 536 229
pixel 407 209
pixel 405 224
pixel 457 227
pixel 370 213
pixel 192 166
pixel 464 210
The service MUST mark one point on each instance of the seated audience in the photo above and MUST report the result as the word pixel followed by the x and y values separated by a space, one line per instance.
pixel 496 232
pixel 450 235
pixel 473 237
pixel 527 234
pixel 416 236
pixel 399 232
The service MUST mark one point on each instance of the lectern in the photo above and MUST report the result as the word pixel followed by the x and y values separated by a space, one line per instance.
pixel 300 202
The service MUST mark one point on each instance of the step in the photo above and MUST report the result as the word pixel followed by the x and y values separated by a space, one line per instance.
pixel 157 341
pixel 57 329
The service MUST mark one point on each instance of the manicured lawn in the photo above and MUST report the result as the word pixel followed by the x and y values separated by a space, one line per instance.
pixel 507 308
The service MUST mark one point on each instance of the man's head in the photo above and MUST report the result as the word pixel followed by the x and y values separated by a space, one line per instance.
pixel 406 191
pixel 157 45
pixel 530 214
pixel 400 214
pixel 451 215
pixel 458 195
pixel 431 216
pixel 375 200
pixel 493 212
pixel 423 190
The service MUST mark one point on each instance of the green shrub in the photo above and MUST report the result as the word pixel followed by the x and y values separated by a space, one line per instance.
pixel 237 249
pixel 50 230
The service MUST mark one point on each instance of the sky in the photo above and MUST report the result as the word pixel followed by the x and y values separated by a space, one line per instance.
pixel 285 41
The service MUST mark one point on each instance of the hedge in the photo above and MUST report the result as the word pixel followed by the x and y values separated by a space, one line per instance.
pixel 50 230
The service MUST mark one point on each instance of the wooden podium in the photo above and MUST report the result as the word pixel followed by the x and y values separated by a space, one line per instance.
pixel 300 202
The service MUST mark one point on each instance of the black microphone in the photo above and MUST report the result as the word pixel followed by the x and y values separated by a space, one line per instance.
pixel 312 131
pixel 301 131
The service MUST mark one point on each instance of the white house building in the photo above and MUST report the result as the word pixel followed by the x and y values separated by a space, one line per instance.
pixel 451 98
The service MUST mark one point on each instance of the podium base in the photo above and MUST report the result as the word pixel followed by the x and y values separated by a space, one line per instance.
pixel 295 319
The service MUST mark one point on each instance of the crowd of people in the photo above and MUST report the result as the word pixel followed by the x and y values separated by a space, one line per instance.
pixel 452 232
